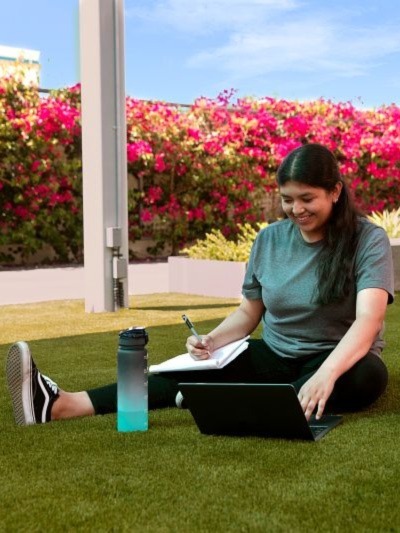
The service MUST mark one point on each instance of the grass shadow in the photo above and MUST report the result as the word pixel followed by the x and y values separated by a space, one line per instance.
pixel 183 307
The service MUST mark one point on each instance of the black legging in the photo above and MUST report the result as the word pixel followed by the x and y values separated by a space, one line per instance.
pixel 356 389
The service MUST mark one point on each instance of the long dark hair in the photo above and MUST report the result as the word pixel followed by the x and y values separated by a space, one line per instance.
pixel 315 165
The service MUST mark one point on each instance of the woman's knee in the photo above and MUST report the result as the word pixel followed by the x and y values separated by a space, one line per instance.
pixel 162 391
pixel 362 384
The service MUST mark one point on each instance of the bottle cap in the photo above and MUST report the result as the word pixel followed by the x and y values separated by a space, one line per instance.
pixel 134 332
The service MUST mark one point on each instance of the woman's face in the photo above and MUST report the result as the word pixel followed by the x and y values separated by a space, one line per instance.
pixel 308 207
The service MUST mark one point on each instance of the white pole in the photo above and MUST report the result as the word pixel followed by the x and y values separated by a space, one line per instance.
pixel 104 154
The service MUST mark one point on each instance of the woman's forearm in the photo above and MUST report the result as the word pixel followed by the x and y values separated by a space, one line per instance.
pixel 370 314
pixel 353 346
pixel 238 324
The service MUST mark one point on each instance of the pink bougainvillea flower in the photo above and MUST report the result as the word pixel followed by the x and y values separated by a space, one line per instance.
pixel 146 216
pixel 159 164
pixel 138 149
pixel 154 194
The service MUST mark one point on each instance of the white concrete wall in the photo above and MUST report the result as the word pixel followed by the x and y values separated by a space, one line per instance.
pixel 45 284
pixel 207 278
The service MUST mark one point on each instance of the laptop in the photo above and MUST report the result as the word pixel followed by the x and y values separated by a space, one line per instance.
pixel 268 410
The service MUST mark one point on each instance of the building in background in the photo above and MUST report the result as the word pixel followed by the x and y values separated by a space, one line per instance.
pixel 26 61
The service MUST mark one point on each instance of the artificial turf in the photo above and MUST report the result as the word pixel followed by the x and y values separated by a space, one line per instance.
pixel 82 475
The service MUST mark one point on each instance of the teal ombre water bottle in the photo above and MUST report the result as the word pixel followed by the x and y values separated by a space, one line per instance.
pixel 132 399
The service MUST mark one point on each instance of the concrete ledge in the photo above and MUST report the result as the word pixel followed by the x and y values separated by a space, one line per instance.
pixel 148 278
pixel 191 276
pixel 68 283
pixel 180 274
pixel 206 277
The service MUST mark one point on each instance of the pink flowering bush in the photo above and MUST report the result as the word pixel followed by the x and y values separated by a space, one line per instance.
pixel 213 165
pixel 191 169
pixel 40 172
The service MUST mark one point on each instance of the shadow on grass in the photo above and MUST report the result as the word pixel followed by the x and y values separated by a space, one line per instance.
pixel 183 307
pixel 93 355
pixel 80 362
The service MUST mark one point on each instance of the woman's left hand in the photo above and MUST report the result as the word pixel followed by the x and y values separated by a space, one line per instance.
pixel 315 392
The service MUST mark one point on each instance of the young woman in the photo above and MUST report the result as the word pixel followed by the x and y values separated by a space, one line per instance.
pixel 319 281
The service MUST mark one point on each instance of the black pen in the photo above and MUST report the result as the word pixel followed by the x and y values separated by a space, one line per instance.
pixel 189 324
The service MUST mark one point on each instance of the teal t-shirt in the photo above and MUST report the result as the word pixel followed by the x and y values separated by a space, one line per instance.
pixel 282 271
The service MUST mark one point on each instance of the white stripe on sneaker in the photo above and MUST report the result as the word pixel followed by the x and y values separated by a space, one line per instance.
pixel 46 400
pixel 29 409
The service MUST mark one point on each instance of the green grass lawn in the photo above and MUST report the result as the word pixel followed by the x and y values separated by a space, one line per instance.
pixel 82 475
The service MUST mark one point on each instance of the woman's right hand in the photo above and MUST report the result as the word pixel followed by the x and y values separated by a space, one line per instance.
pixel 199 350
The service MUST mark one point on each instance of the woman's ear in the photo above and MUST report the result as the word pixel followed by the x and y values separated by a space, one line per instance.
pixel 336 191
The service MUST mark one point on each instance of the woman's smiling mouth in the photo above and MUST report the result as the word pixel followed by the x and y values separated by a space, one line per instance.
pixel 302 219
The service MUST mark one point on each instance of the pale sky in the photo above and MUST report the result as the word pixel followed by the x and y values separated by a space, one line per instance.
pixel 178 50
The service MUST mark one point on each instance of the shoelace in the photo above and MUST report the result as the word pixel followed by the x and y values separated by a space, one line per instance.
pixel 53 386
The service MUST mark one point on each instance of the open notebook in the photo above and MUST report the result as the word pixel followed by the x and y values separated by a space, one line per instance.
pixel 218 359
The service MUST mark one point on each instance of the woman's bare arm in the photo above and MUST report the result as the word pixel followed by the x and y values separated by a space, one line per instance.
pixel 370 313
pixel 240 323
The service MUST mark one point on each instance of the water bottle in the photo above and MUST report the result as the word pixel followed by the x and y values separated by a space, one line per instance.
pixel 132 398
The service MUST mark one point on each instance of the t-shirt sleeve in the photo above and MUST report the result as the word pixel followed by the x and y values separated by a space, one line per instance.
pixel 374 263
pixel 251 288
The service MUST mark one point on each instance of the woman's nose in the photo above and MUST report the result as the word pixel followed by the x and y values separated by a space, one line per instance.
pixel 298 208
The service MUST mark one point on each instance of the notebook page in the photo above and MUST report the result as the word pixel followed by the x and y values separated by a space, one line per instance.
pixel 218 359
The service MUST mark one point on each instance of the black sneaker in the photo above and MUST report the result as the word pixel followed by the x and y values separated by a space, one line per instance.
pixel 32 393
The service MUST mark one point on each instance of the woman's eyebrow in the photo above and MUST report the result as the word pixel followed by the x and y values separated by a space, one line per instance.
pixel 303 195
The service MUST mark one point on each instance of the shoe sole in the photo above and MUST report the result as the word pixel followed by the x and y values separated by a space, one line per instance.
pixel 18 371
pixel 180 401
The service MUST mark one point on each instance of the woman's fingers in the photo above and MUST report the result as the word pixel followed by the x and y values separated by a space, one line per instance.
pixel 196 349
pixel 315 393
pixel 308 404
pixel 321 408
pixel 309 409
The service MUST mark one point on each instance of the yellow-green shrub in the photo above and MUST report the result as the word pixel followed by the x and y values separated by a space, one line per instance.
pixel 388 220
pixel 216 246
